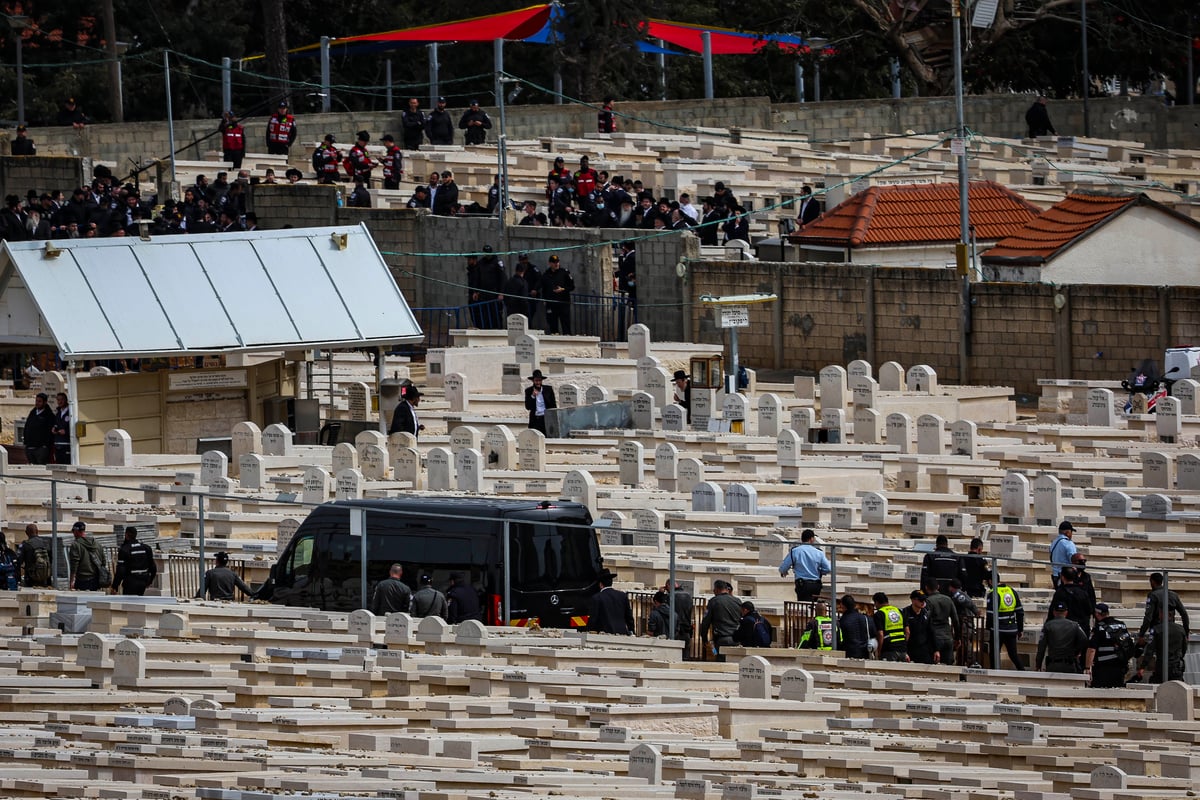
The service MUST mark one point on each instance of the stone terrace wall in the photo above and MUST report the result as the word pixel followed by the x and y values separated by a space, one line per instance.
pixel 19 174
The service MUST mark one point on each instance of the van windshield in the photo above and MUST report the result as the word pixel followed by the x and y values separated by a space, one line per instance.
pixel 554 556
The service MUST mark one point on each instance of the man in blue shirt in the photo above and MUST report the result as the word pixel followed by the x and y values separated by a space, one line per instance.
pixel 1061 550
pixel 807 564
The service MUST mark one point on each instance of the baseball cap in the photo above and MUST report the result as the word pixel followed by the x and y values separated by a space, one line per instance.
pixel 78 526
pixel 1060 606
pixel 1102 608
pixel 474 102
pixel 441 99
pixel 522 256
pixel 553 258
pixel 1065 526
pixel 487 248
pixel 387 137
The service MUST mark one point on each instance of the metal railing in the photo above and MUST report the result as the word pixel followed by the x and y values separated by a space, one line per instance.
pixel 184 571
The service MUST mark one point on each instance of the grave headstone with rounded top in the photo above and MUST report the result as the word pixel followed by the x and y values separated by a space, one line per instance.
pixel 468 466
pixel 891 377
pixel 376 463
pixel 316 485
pixel 348 485
pixel 439 468
pixel 277 440
pixel 344 456
pixel 118 448
pixel 921 379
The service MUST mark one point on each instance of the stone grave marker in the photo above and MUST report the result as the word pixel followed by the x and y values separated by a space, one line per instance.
pixel 213 465
pixel 953 523
pixel 1116 504
pixel 1101 411
pixel 642 405
pixel 361 624
pixel 1158 471
pixel 500 448
pixel 468 466
pixel 1185 391
pixel 804 387
pixel 1176 699
pixel 631 460
pixel 868 426
pixel 1014 498
pixel 964 439
pixel 707 497
pixel 666 458
pixel 364 438
pixel 531 450
pixel 1156 506
pixel 864 389
pixel 277 440
pixel 348 485
pixel 891 377
pixel 689 472
pixel 647 526
pixel 657 382
pixel 899 431
pixel 518 326
pixel 787 448
pixel 930 428
pixel 874 508
pixel 741 498
pixel 1047 500
pixel 921 379
pixel 833 422
pixel 859 368
pixel 674 418
pixel 833 387
pixel 528 351
pixel 754 678
pixel 797 685
pixel 841 518
pixel 770 414
pixel 735 408
pixel 465 437
pixel 284 532
pixel 376 463
pixel 345 456
pixel 596 394
pixel 1188 468
pixel 1167 420
pixel 316 485
pixel 638 336
pixel 645 762
pixel 645 366
pixel 1109 777
pixel 580 486
pixel 408 467
pixel 358 398
pixel 118 448
pixel 804 422
pixel 177 706
pixel 439 467
pixel 702 408
pixel 512 379
pixel 399 441
pixel 247 438
pixel 457 395
pixel 129 662
pixel 569 395
pixel 251 471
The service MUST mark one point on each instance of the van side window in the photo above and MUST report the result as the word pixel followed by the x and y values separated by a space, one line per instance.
pixel 545 555
pixel 302 555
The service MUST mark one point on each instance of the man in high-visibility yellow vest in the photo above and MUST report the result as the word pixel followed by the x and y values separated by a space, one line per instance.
pixel 889 630
pixel 820 631
pixel 1010 619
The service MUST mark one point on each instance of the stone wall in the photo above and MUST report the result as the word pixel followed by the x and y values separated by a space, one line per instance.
pixel 1131 118
pixel 19 174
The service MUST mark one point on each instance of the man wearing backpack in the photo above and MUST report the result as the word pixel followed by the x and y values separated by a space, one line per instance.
pixel 33 558
pixel 135 565
pixel 1109 650
pixel 86 560
pixel 753 631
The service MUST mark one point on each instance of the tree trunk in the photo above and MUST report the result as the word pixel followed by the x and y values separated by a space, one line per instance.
pixel 275 46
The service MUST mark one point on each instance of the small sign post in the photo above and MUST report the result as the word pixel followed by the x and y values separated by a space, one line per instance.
pixel 733 312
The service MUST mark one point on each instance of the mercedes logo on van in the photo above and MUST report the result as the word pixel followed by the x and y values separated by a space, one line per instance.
pixel 553 599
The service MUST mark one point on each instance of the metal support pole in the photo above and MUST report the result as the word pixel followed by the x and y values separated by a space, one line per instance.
pixel 387 68
pixel 1087 128
pixel 964 217
pixel 731 380
pixel 706 43
pixel 895 78
pixel 498 68
pixel 380 374
pixel 114 63
pixel 358 527
pixel 226 84
pixel 54 534
pixel 434 93
pixel 170 114
pixel 203 551
pixel 506 595
pixel 817 80
pixel 996 616
pixel 73 406
pixel 671 585
pixel 326 97
pixel 20 80
pixel 1164 632
pixel 558 93
pixel 799 82
pixel 502 159
pixel 834 608
pixel 662 69
pixel 1191 61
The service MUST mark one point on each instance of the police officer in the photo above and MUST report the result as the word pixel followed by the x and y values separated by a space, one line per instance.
pixel 135 565
pixel 358 163
pixel 1062 642
pixel 393 163
pixel 942 565
pixel 818 634
pixel 1104 661
pixel 889 630
pixel 233 140
pixel 281 130
pixel 1005 612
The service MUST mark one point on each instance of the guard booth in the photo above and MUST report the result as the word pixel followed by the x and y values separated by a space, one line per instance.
pixel 218 324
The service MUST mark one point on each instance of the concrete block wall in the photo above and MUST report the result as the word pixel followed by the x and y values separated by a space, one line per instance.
pixel 917 319
pixel 1121 322
pixel 662 295
pixel 1011 322
pixel 397 234
pixel 298 205
pixel 824 313
pixel 19 174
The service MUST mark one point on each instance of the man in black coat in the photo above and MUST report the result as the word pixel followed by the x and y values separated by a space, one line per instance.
pixel 610 609
pixel 135 568
pixel 462 601
pixel 1038 119
pixel 412 123
pixel 39 425
pixel 404 416
pixel 808 209
pixel 556 288
pixel 476 123
pixel 538 400
pixel 445 200
pixel 439 126
pixel 22 145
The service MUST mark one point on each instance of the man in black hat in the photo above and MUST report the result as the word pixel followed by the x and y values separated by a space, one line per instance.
pixel 326 160
pixel 358 163
pixel 538 400
pixel 1061 550
pixel 439 127
pixel 683 392
pixel 625 281
pixel 281 130
pixel 555 291
pixel 404 416
pixel 22 145
pixel 1062 642
pixel 476 123
pixel 610 610
pixel 516 289
pixel 445 201
pixel 72 115
pixel 462 601
pixel 1108 651
pixel 420 197
pixel 392 163
pixel 412 123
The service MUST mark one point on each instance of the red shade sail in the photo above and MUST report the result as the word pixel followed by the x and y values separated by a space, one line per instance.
pixel 518 24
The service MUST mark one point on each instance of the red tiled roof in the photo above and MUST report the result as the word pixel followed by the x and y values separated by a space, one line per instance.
pixel 916 214
pixel 1060 226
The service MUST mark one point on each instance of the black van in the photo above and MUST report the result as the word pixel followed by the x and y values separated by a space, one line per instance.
pixel 553 552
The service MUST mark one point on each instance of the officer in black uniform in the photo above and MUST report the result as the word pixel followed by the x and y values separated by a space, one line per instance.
pixel 135 565
pixel 220 581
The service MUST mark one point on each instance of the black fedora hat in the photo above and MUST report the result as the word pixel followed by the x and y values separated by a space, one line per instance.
pixel 606 575
pixel 537 375
pixel 680 375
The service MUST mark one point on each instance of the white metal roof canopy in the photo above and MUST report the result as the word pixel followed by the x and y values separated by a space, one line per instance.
pixel 201 294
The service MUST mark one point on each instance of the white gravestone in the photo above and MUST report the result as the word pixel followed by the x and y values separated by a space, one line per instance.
pixel 787 448
pixel 316 485
pixel 118 448
pixel 456 392
pixel 638 337
pixel 891 377
pixel 868 426
pixel 1101 411
pixel 797 685
pixel 741 498
pixel 1185 392
pixel 214 465
pixel 963 439
pixel 284 532
pixel 658 382
pixel 921 379
pixel 277 440
pixel 735 408
pixel 833 387
pixel 702 408
pixel 631 457
pixel 1158 471
pixel 645 366
pixel 1116 504
pixel 569 395
pixel 251 470
pixel 518 326
pixel 707 497
pixel 666 462
pixel 348 485
pixel 874 508
pixel 408 467
pixel 833 422
pixel 674 418
pixel 581 487
pixel 531 450
pixel 465 437
pixel 468 465
pixel 690 471
pixel 344 456
pixel 365 438
pixel 1188 469
pixel 440 469
pixel 643 411
pixel 1014 498
pixel 528 351
pixel 899 431
pixel 804 422
pixel 500 448
pixel 1167 419
pixel 247 438
pixel 596 394
pixel 864 389
pixel 376 464
pixel 645 763
pixel 1157 506
pixel 858 368
pixel 358 397
pixel 930 429
pixel 754 678
pixel 1047 500
pixel 770 414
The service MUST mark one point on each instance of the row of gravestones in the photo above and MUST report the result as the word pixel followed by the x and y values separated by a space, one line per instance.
pixel 838 384
pixel 1017 493
pixel 1169 410
pixel 930 431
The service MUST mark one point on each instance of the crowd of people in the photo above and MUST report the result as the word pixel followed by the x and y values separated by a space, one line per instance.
pixel 458 603
pixel 31 564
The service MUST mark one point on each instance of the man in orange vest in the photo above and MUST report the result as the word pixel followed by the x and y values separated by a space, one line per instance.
pixel 281 130
pixel 233 140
